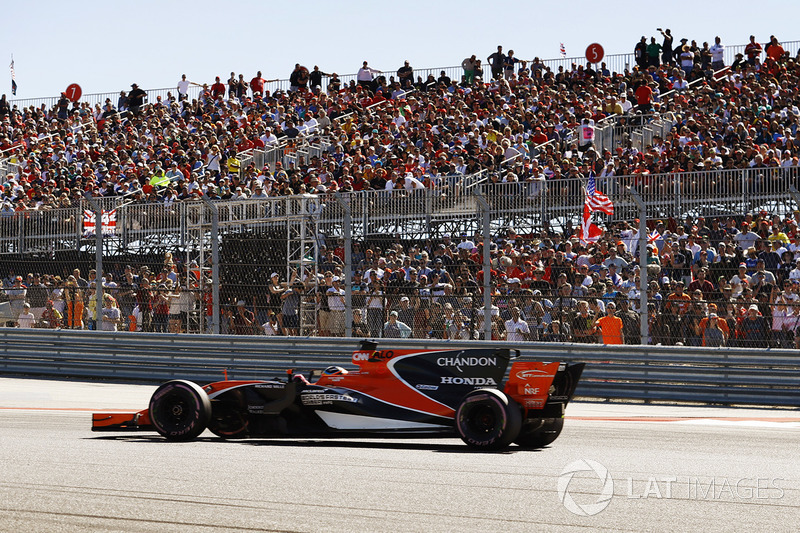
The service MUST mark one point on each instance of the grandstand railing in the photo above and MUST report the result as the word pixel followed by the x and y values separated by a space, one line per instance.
pixel 615 63
pixel 286 150
pixel 610 133
pixel 634 130
pixel 637 129
pixel 427 213
pixel 11 157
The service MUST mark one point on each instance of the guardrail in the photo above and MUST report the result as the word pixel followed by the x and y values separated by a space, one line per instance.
pixel 645 373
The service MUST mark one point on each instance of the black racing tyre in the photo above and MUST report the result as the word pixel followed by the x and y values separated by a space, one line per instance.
pixel 540 432
pixel 180 410
pixel 487 419
pixel 227 420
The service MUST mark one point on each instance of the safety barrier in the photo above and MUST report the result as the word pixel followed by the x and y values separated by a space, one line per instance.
pixel 645 373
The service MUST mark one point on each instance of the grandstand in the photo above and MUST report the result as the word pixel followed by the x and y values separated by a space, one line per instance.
pixel 444 167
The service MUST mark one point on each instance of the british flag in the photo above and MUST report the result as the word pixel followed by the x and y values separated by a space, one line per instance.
pixel 108 222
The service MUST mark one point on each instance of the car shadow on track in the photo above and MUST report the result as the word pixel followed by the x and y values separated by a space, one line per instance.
pixel 326 443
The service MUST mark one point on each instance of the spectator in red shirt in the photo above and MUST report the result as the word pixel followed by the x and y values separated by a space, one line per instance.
pixel 752 50
pixel 257 84
pixel 702 284
pixel 218 89
pixel 539 137
pixel 644 97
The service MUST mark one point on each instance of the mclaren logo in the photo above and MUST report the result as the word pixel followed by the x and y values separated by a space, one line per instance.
pixel 459 362
pixel 528 374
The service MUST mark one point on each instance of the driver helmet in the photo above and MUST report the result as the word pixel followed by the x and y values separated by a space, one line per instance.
pixel 334 371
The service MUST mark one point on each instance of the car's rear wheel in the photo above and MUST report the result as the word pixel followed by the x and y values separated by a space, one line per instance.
pixel 180 410
pixel 487 419
pixel 540 432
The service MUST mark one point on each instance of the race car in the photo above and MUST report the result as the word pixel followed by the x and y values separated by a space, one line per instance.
pixel 430 392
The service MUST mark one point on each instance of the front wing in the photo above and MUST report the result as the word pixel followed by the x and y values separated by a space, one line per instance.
pixel 139 421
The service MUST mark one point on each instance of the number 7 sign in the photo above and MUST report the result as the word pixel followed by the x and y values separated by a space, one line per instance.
pixel 74 92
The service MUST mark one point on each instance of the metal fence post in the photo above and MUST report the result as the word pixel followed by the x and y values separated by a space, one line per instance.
pixel 214 264
pixel 21 233
pixel 644 326
pixel 487 292
pixel 97 207
pixel 347 224
pixel 795 194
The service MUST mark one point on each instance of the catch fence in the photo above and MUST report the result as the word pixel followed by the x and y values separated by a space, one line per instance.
pixel 527 206
pixel 251 252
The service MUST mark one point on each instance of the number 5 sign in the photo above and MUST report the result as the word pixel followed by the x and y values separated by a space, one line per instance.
pixel 594 53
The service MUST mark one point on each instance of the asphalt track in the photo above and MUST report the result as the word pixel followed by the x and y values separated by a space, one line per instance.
pixel 671 469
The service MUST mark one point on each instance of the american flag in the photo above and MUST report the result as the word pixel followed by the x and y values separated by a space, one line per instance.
pixel 563 50
pixel 595 200
pixel 13 78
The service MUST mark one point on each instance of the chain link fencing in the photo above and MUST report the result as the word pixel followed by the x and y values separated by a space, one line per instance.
pixel 335 265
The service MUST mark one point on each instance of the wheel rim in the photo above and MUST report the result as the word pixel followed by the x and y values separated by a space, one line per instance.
pixel 174 411
pixel 488 420
pixel 483 419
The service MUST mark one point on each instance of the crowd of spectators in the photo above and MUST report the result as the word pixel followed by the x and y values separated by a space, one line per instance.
pixel 140 299
pixel 419 131
pixel 529 123
pixel 738 277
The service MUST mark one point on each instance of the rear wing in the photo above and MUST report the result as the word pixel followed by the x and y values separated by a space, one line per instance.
pixel 543 389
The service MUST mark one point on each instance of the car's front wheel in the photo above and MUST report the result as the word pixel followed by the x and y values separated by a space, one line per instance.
pixel 180 410
pixel 487 419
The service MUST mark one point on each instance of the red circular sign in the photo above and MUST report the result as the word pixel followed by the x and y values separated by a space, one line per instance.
pixel 74 92
pixel 594 53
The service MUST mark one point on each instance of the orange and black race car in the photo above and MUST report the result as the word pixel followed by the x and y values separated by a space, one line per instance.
pixel 431 392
